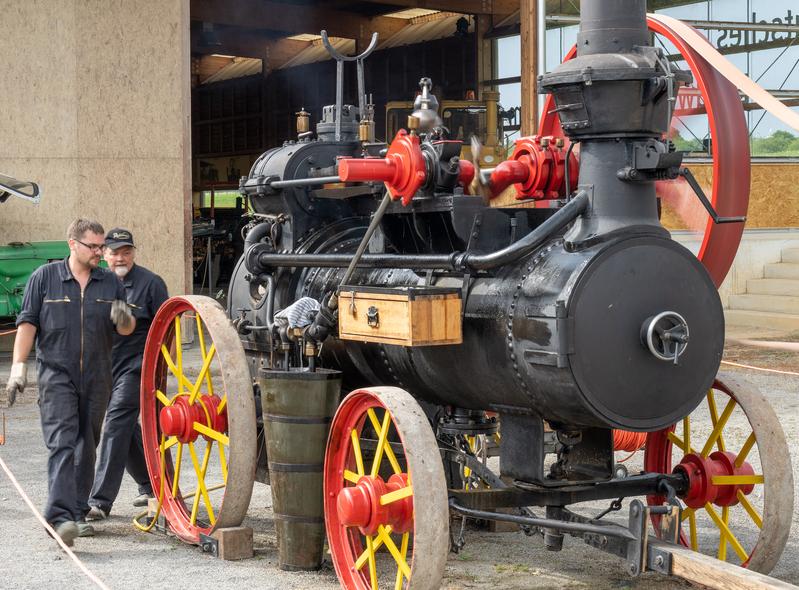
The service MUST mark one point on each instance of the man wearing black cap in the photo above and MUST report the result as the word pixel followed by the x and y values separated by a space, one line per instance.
pixel 121 446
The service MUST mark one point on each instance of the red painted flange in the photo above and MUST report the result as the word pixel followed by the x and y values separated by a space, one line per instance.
pixel 700 472
pixel 536 167
pixel 730 148
pixel 402 169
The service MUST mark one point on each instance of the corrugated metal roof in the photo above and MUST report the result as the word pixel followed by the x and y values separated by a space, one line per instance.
pixel 317 52
pixel 429 28
pixel 238 68
pixel 411 13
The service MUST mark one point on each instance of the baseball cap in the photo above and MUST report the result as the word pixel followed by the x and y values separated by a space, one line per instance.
pixel 118 237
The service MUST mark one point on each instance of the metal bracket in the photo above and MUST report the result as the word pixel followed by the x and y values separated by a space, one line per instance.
pixel 209 545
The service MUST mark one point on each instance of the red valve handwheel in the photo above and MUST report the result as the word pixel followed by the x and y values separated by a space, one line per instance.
pixel 402 169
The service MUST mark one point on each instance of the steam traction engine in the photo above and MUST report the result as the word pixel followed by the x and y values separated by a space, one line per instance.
pixel 564 328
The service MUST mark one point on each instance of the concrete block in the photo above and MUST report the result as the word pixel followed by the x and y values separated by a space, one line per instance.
pixel 782 322
pixel 782 270
pixel 770 303
pixel 234 543
pixel 788 287
pixel 791 255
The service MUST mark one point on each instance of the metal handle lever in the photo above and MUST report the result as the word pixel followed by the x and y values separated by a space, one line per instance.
pixel 700 194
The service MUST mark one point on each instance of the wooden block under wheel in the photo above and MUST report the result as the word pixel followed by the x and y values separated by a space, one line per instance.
pixel 234 543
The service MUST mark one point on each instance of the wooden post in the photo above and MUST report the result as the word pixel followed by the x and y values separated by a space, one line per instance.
pixel 528 15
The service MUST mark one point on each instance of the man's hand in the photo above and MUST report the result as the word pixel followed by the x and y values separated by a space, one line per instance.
pixel 16 382
pixel 121 315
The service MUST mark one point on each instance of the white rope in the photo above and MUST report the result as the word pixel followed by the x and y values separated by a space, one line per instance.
pixel 47 526
pixel 759 368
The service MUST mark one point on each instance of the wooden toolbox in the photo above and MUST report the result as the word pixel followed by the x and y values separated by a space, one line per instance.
pixel 406 316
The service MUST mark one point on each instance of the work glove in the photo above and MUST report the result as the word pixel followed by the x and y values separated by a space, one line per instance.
pixel 16 382
pixel 120 314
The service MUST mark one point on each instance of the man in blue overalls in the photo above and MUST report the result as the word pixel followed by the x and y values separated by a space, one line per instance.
pixel 121 447
pixel 71 309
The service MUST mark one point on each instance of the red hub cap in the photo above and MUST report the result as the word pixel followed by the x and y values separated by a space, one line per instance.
pixel 178 419
pixel 706 479
pixel 360 505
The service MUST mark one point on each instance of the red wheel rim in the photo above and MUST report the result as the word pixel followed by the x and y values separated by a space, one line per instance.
pixel 730 149
pixel 198 413
pixel 361 532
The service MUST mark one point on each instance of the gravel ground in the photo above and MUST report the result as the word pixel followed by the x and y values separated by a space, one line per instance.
pixel 124 558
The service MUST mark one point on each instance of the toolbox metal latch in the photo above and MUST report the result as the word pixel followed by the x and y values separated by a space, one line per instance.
pixel 373 316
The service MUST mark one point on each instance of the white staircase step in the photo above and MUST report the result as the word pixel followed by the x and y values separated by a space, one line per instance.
pixel 770 303
pixel 773 286
pixel 784 322
pixel 782 270
pixel 791 255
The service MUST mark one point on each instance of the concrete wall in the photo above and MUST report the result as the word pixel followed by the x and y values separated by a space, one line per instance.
pixel 95 108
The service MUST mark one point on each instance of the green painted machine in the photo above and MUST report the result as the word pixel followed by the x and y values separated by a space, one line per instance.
pixel 17 261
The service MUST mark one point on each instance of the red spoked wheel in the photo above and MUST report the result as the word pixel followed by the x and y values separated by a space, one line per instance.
pixel 386 509
pixel 198 418
pixel 733 451
pixel 727 187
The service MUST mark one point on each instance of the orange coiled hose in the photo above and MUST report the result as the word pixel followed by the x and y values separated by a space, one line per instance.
pixel 630 442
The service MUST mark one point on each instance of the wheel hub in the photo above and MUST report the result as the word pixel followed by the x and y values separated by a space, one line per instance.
pixel 704 479
pixel 178 419
pixel 360 505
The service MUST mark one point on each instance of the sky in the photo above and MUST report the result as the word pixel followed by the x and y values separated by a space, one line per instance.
pixel 773 69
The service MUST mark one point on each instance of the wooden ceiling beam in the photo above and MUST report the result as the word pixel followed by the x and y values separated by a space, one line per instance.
pixel 244 43
pixel 459 6
pixel 293 19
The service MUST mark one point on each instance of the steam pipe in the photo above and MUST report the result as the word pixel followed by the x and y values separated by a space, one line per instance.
pixel 457 261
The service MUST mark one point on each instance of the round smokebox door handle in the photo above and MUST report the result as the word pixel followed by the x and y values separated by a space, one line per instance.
pixel 665 335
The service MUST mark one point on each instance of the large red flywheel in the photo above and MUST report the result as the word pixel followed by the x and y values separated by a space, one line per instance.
pixel 729 142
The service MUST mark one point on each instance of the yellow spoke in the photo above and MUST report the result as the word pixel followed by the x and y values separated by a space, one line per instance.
pixel 378 543
pixel 182 380
pixel 686 513
pixel 223 462
pixel 201 483
pixel 678 442
pixel 211 433
pixel 356 450
pixel 692 530
pixel 404 553
pixel 201 338
pixel 222 403
pixel 718 427
pixel 351 477
pixel 203 372
pixel 176 476
pixel 725 518
pixel 731 480
pixel 714 417
pixel 686 434
pixel 750 509
pixel 179 352
pixel 750 442
pixel 170 442
pixel 381 440
pixel 726 532
pixel 372 562
pixel 392 458
pixel 396 495
pixel 162 398
pixel 395 553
